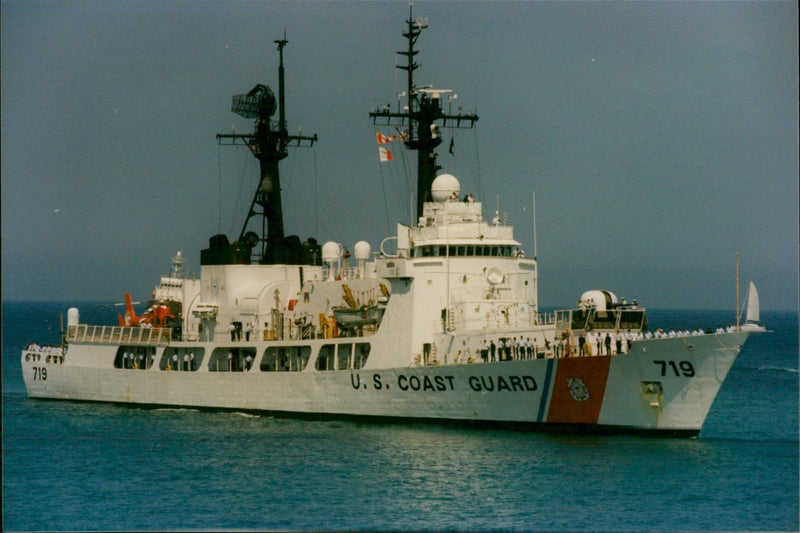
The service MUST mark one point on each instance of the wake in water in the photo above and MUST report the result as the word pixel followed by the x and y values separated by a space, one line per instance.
pixel 778 369
pixel 192 410
pixel 769 368
pixel 245 415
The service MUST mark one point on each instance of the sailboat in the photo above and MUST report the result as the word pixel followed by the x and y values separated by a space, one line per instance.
pixel 752 310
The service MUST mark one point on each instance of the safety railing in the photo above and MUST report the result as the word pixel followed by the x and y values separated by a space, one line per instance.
pixel 119 335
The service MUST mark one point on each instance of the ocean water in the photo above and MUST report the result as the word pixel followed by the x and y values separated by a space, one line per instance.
pixel 81 466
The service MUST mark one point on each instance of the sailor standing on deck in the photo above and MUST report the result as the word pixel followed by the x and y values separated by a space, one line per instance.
pixel 501 350
pixel 485 351
pixel 492 348
pixel 232 330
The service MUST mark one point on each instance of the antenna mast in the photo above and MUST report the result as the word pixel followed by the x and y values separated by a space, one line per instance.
pixel 267 144
pixel 419 116
pixel 738 327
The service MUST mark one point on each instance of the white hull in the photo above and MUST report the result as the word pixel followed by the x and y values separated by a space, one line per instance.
pixel 661 385
pixel 419 320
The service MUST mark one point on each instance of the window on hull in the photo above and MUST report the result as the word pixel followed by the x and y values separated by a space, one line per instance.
pixel 234 359
pixel 345 356
pixel 285 358
pixel 135 357
pixel 182 359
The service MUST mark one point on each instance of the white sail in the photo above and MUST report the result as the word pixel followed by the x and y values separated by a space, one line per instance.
pixel 752 304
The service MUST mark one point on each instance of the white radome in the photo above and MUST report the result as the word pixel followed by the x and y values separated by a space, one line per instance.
pixel 331 251
pixel 444 186
pixel 362 250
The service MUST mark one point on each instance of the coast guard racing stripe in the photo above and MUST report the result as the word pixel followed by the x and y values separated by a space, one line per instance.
pixel 578 390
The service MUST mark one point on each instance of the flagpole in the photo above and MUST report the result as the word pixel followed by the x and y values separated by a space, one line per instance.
pixel 738 328
pixel 536 264
pixel 447 259
pixel 534 225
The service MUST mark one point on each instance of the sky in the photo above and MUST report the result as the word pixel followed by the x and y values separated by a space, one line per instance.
pixel 660 138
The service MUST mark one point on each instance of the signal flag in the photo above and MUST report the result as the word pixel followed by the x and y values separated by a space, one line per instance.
pixel 383 139
pixel 384 155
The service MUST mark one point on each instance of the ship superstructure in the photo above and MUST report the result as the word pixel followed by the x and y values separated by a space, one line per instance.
pixel 445 326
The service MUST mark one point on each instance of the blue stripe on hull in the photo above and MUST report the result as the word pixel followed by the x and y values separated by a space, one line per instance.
pixel 545 389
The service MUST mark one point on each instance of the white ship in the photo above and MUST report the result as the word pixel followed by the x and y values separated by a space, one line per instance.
pixel 445 326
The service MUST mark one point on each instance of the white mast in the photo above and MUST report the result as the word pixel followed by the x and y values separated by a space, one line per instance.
pixel 534 226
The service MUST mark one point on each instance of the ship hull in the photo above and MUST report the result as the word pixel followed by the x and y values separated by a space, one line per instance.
pixel 659 386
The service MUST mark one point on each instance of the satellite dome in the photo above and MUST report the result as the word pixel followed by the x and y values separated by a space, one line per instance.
pixel 331 252
pixel 362 249
pixel 444 186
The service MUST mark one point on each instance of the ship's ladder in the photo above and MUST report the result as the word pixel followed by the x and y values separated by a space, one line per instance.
pixel 451 318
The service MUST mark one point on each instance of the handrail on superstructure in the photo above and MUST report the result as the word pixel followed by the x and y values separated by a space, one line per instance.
pixel 622 318
pixel 85 334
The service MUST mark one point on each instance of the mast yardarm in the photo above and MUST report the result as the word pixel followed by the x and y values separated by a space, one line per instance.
pixel 267 144
pixel 420 116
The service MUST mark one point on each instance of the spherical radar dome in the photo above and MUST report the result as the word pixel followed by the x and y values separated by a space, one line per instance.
pixel 331 252
pixel 444 186
pixel 362 249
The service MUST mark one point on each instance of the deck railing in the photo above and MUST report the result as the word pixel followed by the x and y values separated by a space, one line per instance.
pixel 119 335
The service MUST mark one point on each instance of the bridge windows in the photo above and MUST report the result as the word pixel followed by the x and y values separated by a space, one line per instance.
pixel 461 251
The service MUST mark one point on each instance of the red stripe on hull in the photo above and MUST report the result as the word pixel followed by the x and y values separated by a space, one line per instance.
pixel 578 390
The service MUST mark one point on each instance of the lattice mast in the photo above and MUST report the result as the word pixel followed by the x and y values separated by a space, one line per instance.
pixel 420 115
pixel 268 144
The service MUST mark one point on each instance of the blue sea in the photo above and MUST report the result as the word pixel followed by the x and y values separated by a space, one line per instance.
pixel 83 466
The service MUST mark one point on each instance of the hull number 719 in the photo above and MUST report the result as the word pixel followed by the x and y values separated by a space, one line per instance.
pixel 686 368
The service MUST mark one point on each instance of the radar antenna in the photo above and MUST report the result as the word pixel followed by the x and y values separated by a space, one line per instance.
pixel 420 115
pixel 268 144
